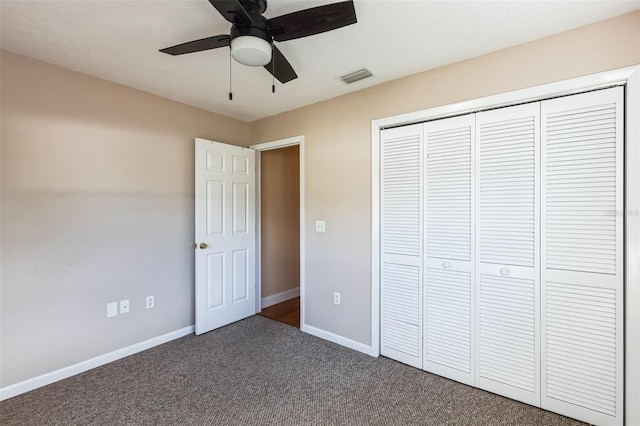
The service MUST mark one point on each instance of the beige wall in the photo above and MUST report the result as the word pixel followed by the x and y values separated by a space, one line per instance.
pixel 280 219
pixel 338 151
pixel 97 206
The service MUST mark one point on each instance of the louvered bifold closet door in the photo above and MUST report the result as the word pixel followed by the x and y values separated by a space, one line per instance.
pixel 401 236
pixel 507 271
pixel 582 256
pixel 449 245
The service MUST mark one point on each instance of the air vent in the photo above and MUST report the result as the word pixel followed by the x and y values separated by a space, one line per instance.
pixel 356 76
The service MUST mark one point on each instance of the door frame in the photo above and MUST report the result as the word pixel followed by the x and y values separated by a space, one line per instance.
pixel 628 76
pixel 267 146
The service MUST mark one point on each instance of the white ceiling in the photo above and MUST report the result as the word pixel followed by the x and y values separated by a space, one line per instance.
pixel 119 41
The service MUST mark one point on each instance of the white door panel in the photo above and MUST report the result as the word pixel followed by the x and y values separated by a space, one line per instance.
pixel 225 234
pixel 507 267
pixel 401 236
pixel 582 256
pixel 449 299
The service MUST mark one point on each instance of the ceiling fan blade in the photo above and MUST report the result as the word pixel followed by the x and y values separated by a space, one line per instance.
pixel 198 45
pixel 312 21
pixel 281 69
pixel 232 11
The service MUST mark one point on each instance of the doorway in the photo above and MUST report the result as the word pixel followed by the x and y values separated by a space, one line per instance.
pixel 280 230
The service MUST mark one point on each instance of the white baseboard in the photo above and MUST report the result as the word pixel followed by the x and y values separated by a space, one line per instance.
pixel 280 297
pixel 343 341
pixel 72 370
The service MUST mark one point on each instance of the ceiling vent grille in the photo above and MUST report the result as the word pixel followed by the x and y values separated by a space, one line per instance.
pixel 352 77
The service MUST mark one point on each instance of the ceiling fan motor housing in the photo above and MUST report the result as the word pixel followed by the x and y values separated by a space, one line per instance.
pixel 251 43
pixel 259 5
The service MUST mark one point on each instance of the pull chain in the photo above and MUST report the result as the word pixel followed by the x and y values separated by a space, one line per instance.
pixel 230 61
pixel 273 69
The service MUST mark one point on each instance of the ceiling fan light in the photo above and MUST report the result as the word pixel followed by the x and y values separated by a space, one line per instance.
pixel 250 50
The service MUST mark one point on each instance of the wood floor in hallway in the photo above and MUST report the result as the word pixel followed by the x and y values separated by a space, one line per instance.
pixel 287 312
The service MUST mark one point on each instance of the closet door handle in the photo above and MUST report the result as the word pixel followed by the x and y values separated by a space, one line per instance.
pixel 505 271
pixel 446 265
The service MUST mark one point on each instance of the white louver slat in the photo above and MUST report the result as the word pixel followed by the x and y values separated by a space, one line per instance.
pixel 582 279
pixel 401 309
pixel 580 346
pixel 401 236
pixel 448 323
pixel 449 340
pixel 507 331
pixel 507 271
pixel 401 173
pixel 507 190
pixel 581 189
pixel 448 188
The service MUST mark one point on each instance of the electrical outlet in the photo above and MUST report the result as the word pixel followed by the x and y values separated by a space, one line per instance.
pixel 336 298
pixel 124 306
pixel 151 302
pixel 320 226
pixel 112 309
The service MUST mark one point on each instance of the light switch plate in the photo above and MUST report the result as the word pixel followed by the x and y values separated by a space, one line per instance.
pixel 112 309
pixel 124 306
pixel 320 226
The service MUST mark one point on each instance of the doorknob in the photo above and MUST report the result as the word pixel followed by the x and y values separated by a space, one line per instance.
pixel 203 245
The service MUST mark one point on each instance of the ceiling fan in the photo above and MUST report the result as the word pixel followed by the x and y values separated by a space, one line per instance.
pixel 252 36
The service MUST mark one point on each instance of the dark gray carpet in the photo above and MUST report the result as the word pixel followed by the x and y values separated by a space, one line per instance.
pixel 260 372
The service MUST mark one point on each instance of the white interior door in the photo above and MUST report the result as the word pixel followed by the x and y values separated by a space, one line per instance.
pixel 449 297
pixel 401 234
pixel 507 272
pixel 225 234
pixel 582 256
